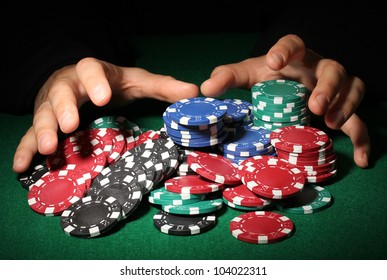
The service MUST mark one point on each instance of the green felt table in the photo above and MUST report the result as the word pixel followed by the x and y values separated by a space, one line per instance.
pixel 353 227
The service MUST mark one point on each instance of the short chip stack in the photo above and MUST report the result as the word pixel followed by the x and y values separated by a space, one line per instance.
pixel 196 122
pixel 307 148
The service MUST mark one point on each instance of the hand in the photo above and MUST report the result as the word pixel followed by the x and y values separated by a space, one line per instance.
pixel 58 101
pixel 334 94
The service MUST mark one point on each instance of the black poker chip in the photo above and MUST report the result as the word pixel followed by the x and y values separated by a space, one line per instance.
pixel 183 225
pixel 91 216
pixel 30 177
pixel 121 184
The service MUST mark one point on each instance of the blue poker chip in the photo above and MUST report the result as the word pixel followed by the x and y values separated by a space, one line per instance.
pixel 193 134
pixel 248 139
pixel 238 156
pixel 197 111
pixel 176 126
pixel 237 110
pixel 201 142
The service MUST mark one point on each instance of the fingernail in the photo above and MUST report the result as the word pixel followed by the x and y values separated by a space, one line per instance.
pixel 321 101
pixel 65 119
pixel 99 93
pixel 18 162
pixel 277 59
pixel 44 141
pixel 338 118
pixel 365 159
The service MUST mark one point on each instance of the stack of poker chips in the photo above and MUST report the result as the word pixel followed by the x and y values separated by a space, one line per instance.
pixel 239 114
pixel 196 122
pixel 188 205
pixel 248 141
pixel 307 148
pixel 279 103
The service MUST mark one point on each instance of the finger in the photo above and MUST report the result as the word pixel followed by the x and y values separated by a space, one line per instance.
pixel 346 104
pixel 25 151
pixel 288 48
pixel 64 103
pixel 331 77
pixel 144 84
pixel 45 129
pixel 236 75
pixel 357 131
pixel 94 75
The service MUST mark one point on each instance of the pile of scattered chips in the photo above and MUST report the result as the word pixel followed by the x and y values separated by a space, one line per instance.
pixel 209 153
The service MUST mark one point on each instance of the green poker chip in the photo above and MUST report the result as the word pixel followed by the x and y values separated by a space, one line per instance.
pixel 279 91
pixel 241 207
pixel 175 201
pixel 164 194
pixel 118 122
pixel 311 199
pixel 197 208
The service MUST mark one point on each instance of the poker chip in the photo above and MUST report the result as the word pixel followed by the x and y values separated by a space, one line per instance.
pixel 298 139
pixel 146 135
pixel 183 225
pixel 261 227
pixel 311 199
pixel 272 178
pixel 55 192
pixel 91 216
pixel 279 91
pixel 240 207
pixel 170 124
pixel 237 110
pixel 144 176
pixel 242 196
pixel 163 194
pixel 192 184
pixel 122 185
pixel 248 140
pixel 197 111
pixel 173 202
pixel 28 178
pixel 214 167
pixel 280 103
pixel 196 208
pixel 91 158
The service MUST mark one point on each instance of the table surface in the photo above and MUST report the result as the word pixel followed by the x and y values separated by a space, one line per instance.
pixel 353 227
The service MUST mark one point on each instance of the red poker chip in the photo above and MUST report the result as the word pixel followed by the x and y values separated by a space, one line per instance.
pixel 274 179
pixel 321 177
pixel 214 167
pixel 322 167
pixel 56 191
pixel 313 162
pixel 298 139
pixel 323 152
pixel 241 195
pixel 111 141
pixel 249 162
pixel 147 135
pixel 73 171
pixel 261 227
pixel 91 160
pixel 306 156
pixel 193 184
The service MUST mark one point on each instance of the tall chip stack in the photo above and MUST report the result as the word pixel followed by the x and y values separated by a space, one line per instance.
pixel 278 103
